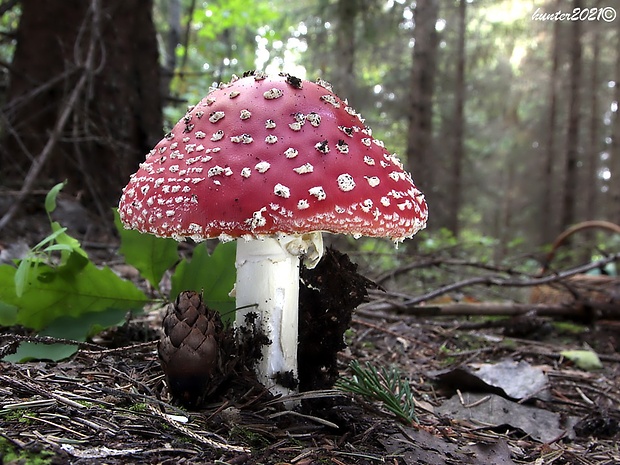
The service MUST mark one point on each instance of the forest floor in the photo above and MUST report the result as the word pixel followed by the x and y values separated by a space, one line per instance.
pixel 487 391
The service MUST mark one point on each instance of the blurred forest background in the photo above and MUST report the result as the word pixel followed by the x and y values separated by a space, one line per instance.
pixel 509 123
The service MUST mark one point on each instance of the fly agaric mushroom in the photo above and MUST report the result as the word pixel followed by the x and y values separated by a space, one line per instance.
pixel 272 161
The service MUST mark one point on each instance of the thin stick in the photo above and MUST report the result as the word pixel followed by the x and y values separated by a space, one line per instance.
pixel 195 436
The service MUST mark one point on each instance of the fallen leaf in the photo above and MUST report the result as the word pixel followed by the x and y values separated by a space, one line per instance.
pixel 494 411
pixel 517 380
pixel 584 359
pixel 416 447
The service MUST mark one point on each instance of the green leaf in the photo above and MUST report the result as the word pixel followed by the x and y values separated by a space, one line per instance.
pixel 584 359
pixel 50 198
pixel 70 243
pixel 151 255
pixel 74 328
pixel 8 314
pixel 213 274
pixel 20 277
pixel 58 247
pixel 73 289
pixel 51 237
pixel 32 351
pixel 59 241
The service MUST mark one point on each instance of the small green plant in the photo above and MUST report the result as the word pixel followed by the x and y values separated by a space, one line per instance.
pixel 56 290
pixel 385 385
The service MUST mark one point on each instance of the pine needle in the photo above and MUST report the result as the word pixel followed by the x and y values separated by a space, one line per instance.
pixel 383 385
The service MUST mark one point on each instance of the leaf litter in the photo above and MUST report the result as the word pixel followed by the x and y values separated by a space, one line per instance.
pixel 111 404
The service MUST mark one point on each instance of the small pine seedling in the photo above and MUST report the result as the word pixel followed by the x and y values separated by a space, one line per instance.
pixel 383 385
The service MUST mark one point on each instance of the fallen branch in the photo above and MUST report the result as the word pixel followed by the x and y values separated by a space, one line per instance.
pixel 410 301
pixel 491 309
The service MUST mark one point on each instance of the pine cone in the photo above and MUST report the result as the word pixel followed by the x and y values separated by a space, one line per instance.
pixel 190 349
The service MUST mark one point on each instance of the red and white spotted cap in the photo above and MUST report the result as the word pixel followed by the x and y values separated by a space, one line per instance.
pixel 264 155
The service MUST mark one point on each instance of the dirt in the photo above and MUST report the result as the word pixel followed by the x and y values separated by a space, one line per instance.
pixel 110 404
pixel 329 294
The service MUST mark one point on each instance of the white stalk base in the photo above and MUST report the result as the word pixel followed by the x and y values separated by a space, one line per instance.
pixel 268 278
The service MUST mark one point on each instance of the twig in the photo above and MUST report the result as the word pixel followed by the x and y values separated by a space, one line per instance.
pixel 390 332
pixel 49 340
pixel 23 384
pixel 99 351
pixel 439 262
pixel 314 418
pixel 195 436
pixel 16 102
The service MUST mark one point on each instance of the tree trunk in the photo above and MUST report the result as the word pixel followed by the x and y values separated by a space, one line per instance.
pixel 173 39
pixel 549 229
pixel 344 69
pixel 614 213
pixel 591 184
pixel 589 181
pixel 420 159
pixel 117 117
pixel 569 197
pixel 458 128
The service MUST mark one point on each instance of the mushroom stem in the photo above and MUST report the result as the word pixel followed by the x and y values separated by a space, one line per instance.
pixel 268 281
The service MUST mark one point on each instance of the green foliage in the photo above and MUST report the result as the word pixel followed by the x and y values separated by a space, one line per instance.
pixel 213 275
pixel 13 455
pixel 56 279
pixel 151 255
pixel 9 22
pixel 222 41
pixel 57 291
pixel 73 288
pixel 569 327
pixel 384 385
pixel 380 251
pixel 234 14
pixel 67 327
pixel 139 407
pixel 57 241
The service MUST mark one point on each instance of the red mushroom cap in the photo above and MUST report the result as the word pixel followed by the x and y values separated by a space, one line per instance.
pixel 266 155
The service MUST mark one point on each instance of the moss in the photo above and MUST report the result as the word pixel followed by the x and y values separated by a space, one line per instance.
pixel 566 327
pixel 10 454
pixel 20 415
pixel 252 438
pixel 139 407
